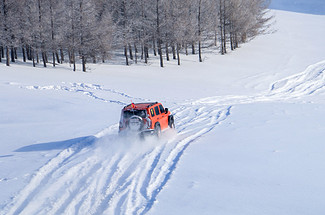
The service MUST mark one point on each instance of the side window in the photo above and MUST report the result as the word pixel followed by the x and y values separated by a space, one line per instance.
pixel 161 109
pixel 156 110
pixel 151 112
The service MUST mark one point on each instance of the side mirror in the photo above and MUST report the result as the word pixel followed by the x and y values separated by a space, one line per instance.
pixel 166 110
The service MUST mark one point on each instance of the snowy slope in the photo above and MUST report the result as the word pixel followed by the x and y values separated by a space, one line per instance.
pixel 249 137
pixel 265 159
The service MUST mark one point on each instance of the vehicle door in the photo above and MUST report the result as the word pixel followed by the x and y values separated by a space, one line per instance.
pixel 155 116
pixel 163 119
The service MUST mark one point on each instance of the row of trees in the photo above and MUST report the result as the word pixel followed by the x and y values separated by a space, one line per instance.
pixel 82 30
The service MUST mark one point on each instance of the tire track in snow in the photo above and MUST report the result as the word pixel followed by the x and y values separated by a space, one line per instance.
pixel 43 177
pixel 95 91
pixel 306 83
pixel 108 175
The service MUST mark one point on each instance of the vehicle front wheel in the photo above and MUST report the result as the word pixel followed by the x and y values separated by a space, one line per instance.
pixel 171 122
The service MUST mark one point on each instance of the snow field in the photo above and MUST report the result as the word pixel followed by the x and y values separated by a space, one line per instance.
pixel 125 177
pixel 104 174
pixel 248 139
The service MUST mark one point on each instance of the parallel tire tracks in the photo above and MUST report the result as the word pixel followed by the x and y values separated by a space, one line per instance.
pixel 105 174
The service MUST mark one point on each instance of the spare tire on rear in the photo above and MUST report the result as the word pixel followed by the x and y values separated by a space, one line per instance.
pixel 135 123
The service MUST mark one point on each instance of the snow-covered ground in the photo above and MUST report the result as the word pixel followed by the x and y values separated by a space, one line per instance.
pixel 248 139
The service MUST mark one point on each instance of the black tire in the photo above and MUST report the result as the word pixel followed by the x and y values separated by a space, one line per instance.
pixel 171 122
pixel 157 130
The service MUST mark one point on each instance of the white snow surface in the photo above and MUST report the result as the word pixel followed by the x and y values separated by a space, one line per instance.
pixel 249 135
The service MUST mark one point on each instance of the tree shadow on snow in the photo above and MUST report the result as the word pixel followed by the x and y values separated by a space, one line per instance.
pixel 79 142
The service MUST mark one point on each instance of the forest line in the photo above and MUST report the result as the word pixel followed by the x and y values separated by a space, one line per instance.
pixel 60 31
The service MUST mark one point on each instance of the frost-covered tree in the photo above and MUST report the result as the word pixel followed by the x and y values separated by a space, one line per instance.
pixel 8 39
pixel 88 33
pixel 89 30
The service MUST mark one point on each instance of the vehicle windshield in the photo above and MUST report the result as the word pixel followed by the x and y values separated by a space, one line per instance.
pixel 129 113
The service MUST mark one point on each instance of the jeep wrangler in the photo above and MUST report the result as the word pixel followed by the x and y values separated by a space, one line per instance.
pixel 145 118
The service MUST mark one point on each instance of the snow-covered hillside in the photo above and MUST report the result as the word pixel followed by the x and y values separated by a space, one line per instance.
pixel 248 139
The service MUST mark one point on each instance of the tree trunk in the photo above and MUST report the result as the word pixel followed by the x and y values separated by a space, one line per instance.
pixel 221 28
pixel 73 58
pixel 174 52
pixel 199 30
pixel 70 56
pixel 33 56
pixel 2 53
pixel 231 37
pixel 154 48
pixel 42 42
pixel 7 56
pixel 37 58
pixel 147 51
pixel 178 57
pixel 15 51
pixel 103 56
pixel 135 53
pixel 200 55
pixel 53 56
pixel 146 54
pixel 161 56
pixel 231 42
pixel 142 51
pixel 57 57
pixel 130 51
pixel 126 55
pixel 44 58
pixel 167 53
pixel 158 35
pixel 12 53
pixel 29 52
pixel 24 54
pixel 193 48
pixel 224 26
pixel 52 34
pixel 62 56
pixel 236 40
pixel 83 60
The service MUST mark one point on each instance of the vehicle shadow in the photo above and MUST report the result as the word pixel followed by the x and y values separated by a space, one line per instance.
pixel 79 142
pixel 5 156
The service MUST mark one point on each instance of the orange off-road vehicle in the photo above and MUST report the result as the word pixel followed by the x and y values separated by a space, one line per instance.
pixel 145 118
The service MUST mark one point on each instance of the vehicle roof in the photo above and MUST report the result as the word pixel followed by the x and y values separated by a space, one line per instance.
pixel 139 106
